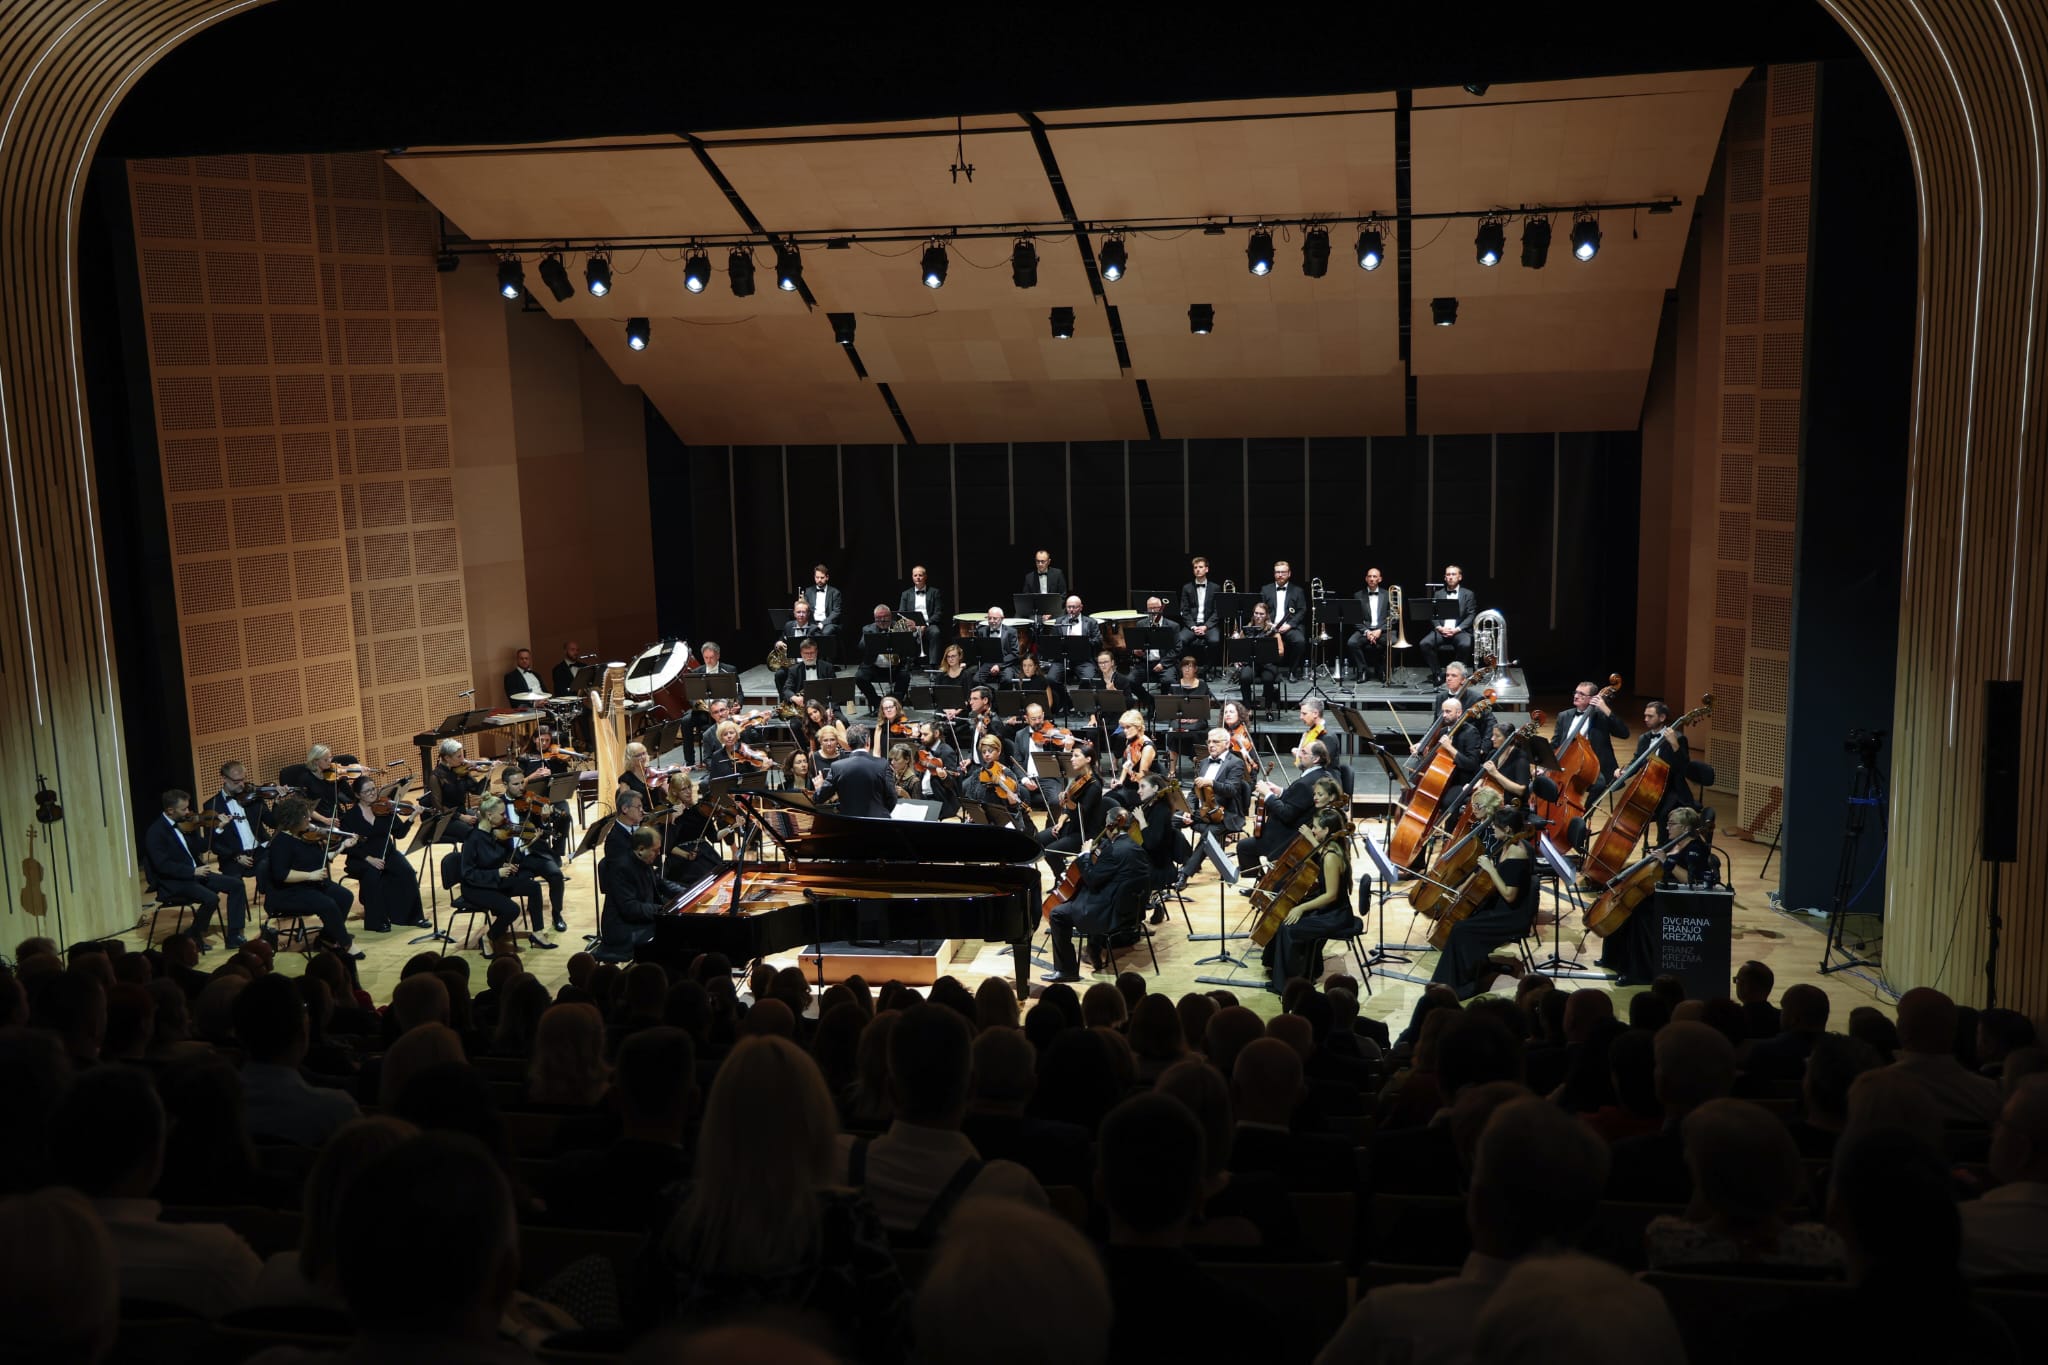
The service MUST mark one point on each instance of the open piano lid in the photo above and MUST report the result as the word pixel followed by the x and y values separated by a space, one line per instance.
pixel 809 835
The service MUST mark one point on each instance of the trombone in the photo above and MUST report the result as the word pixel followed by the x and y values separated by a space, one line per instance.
pixel 1400 640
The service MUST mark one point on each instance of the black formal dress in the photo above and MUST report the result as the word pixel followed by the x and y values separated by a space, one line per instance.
pixel 1368 654
pixel 1068 830
pixel 486 888
pixel 174 863
pixel 1435 649
pixel 326 796
pixel 449 789
pixel 1496 921
pixel 325 901
pixel 390 896
pixel 1296 948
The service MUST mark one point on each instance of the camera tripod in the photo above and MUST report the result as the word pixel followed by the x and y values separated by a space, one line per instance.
pixel 1866 793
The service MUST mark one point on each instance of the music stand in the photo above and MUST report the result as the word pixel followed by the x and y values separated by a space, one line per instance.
pixel 1093 699
pixel 704 686
pixel 663 736
pixel 837 691
pixel 1030 606
pixel 1563 886
pixel 1337 615
pixel 427 834
pixel 1010 701
pixel 1386 952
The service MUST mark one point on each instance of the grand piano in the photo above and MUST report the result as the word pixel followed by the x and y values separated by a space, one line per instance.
pixel 851 879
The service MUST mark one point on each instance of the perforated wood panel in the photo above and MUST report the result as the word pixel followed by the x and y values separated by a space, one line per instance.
pixel 289 384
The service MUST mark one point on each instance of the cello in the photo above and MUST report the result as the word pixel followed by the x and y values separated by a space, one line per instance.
pixel 1640 789
pixel 1488 781
pixel 1576 773
pixel 1291 879
pixel 1472 891
pixel 1629 890
pixel 1418 816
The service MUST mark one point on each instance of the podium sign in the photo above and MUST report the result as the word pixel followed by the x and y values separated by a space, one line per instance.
pixel 1692 937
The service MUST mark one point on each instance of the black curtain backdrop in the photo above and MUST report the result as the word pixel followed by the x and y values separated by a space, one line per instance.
pixel 1543 524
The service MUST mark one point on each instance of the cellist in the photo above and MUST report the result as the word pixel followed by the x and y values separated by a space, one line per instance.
pixel 1504 915
pixel 1628 949
pixel 1296 948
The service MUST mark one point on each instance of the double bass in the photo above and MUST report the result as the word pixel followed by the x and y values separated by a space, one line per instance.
pixel 1576 773
pixel 1633 887
pixel 1418 816
pixel 1635 798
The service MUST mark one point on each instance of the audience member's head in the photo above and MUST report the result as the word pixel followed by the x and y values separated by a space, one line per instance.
pixel 131 1020
pixel 688 1008
pixel 1927 1022
pixel 1745 1166
pixel 171 1019
pixel 59 1286
pixel 107 1139
pixel 646 988
pixel 1833 1065
pixel 995 1004
pixel 436 1200
pixel 870 1099
pixel 1131 986
pixel 656 1080
pixel 34 1076
pixel 1005 1071
pixel 1230 1030
pixel 1887 1098
pixel 1004 1251
pixel 2001 1032
pixel 1195 1012
pixel 1695 1063
pixel 1155 1030
pixel 1753 982
pixel 73 1005
pixel 347 1150
pixel 1649 1011
pixel 568 1057
pixel 1474 1049
pixel 1892 1201
pixel 1632 1065
pixel 1584 1011
pixel 1536 1179
pixel 1875 1028
pixel 1203 1090
pixel 1803 1009
pixel 1265 1082
pixel 930 1066
pixel 1670 986
pixel 1081 1077
pixel 421 998
pixel 1149 1168
pixel 1573 1308
pixel 835 1046
pixel 522 1000
pixel 771 1017
pixel 1103 1007
pixel 415 1050
pixel 1296 1032
pixel 2019 1143
pixel 1063 1000
pixel 270 1019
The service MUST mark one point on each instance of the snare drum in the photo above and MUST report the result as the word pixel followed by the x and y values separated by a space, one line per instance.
pixel 654 676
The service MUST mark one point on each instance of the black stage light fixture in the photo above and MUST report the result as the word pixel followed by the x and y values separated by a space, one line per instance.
pixel 1063 324
pixel 1476 87
pixel 1535 242
pixel 1490 242
pixel 1443 312
pixel 934 265
pixel 1201 318
pixel 1586 237
pixel 1113 259
pixel 638 333
pixel 789 266
pixel 1024 264
pixel 511 277
pixel 597 275
pixel 696 272
pixel 447 262
pixel 1371 248
pixel 1258 253
pixel 1315 253
pixel 555 276
pixel 842 328
pixel 739 270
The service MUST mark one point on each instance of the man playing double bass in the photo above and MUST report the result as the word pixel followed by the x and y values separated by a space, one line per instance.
pixel 1591 718
pixel 1677 753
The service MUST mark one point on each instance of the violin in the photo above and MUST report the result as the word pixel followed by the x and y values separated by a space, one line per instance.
pixel 1048 735
pixel 1211 811
pixel 555 753
pixel 271 793
pixel 1242 744
pixel 998 778
pixel 746 755
pixel 903 727
pixel 202 819
pixel 928 762
pixel 405 810
pixel 335 771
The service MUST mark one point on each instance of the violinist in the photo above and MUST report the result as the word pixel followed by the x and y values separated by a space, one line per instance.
pixel 492 880
pixel 922 603
pixel 1078 817
pixel 820 715
pixel 450 788
pixel 1506 912
pixel 805 669
pixel 891 725
pixel 1287 811
pixel 1139 758
pixel 638 775
pixel 174 853
pixel 702 722
pixel 884 654
pixel 996 781
pixel 931 737
pixel 299 881
pixel 318 780
pixel 390 887
pixel 993 627
pixel 1677 751
pixel 1130 682
pixel 1237 723
pixel 245 823
pixel 1164 847
pixel 721 760
pixel 1217 810
pixel 633 895
pixel 1114 871
pixel 921 777
pixel 1511 769
pixel 1296 950
pixel 1186 739
pixel 1591 717
pixel 692 833
pixel 533 830
pixel 1075 625
pixel 983 720
pixel 543 755
pixel 1262 672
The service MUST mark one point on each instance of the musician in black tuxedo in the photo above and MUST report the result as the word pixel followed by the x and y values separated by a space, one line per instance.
pixel 1116 868
pixel 1157 666
pixel 566 669
pixel 824 599
pixel 1677 750
pixel 1043 577
pixel 803 670
pixel 1468 746
pixel 1287 811
pixel 521 678
pixel 1592 717
pixel 174 864
pixel 1200 615
pixel 1222 771
pixel 711 660
pixel 861 780
pixel 803 623
pixel 890 651
pixel 996 628
pixel 1287 609
pixel 1073 623
pixel 1456 683
pixel 923 603
pixel 1366 646
pixel 634 893
pixel 1449 637
pixel 245 825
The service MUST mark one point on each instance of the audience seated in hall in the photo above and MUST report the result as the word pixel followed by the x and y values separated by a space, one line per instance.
pixel 1536 1179
pixel 1000 1251
pixel 270 1020
pixel 1471 1049
pixel 1746 1179
pixel 1927 1037
pixel 59 1286
pixel 306 1277
pixel 1265 1089
pixel 1831 1068
pixel 1239 1208
pixel 654 1088
pixel 998 1122
pixel 1782 1056
pixel 1695 1063
pixel 2006 1231
pixel 1572 1308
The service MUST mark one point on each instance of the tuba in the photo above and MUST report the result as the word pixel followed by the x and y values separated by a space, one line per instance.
pixel 778 658
pixel 1490 635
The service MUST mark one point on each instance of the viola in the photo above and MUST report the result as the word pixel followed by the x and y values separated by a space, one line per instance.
pixel 1241 744
pixel 995 776
pixel 335 771
pixel 1418 816
pixel 1211 811
pixel 1576 773
pixel 555 753
pixel 926 761
pixel 1291 879
pixel 1635 799
pixel 1635 885
pixel 747 756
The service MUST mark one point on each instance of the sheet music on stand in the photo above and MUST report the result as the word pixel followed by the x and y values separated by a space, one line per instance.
pixel 704 686
pixel 1564 895
pixel 1030 606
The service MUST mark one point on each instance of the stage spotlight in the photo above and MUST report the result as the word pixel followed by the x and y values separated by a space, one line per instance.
pixel 1063 324
pixel 1443 312
pixel 511 277
pixel 739 270
pixel 1113 259
pixel 637 333
pixel 1258 253
pixel 1024 264
pixel 1201 318
pixel 1490 242
pixel 696 272
pixel 555 276
pixel 1370 248
pixel 1586 237
pixel 1476 87
pixel 1315 253
pixel 597 276
pixel 842 328
pixel 935 265
pixel 789 266
pixel 1535 242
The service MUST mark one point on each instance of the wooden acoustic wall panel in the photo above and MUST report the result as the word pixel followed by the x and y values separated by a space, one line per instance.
pixel 1767 359
pixel 385 344
pixel 1969 79
pixel 64 64
pixel 251 487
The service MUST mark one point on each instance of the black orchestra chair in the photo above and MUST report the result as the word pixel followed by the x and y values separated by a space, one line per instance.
pixel 179 906
pixel 451 882
pixel 1130 924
